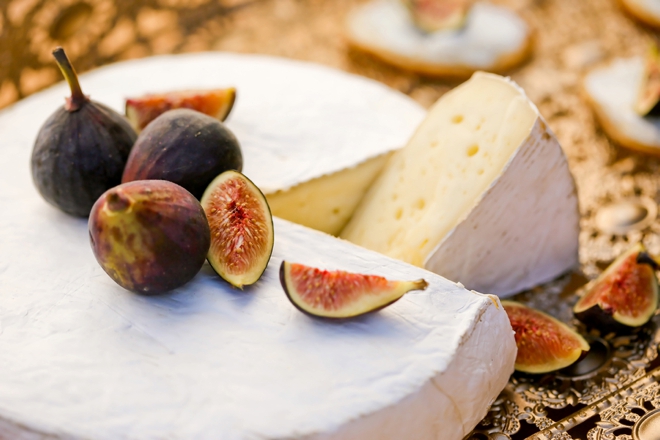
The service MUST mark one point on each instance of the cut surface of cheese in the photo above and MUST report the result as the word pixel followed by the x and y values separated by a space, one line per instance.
pixel 482 193
pixel 493 38
pixel 84 358
pixel 612 91
pixel 326 203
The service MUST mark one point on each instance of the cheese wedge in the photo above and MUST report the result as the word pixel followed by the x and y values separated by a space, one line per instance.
pixel 612 91
pixel 482 193
pixel 83 358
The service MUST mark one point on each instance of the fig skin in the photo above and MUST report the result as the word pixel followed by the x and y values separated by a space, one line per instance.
pixel 149 236
pixel 338 295
pixel 624 296
pixel 544 343
pixel 80 151
pixel 185 147
pixel 242 234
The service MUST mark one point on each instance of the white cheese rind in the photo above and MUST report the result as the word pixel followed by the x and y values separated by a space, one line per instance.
pixel 482 194
pixel 83 358
pixel 490 34
pixel 506 247
pixel 613 91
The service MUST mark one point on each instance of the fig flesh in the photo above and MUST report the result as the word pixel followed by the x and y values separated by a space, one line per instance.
pixel 242 234
pixel 185 147
pixel 216 103
pixel 624 295
pixel 544 343
pixel 339 294
pixel 437 15
pixel 81 149
pixel 649 91
pixel 150 236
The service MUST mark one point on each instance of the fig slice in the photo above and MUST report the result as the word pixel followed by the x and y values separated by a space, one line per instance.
pixel 339 294
pixel 544 343
pixel 625 294
pixel 241 226
pixel 649 91
pixel 216 103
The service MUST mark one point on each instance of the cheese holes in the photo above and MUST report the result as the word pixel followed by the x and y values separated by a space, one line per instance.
pixel 472 150
pixel 457 119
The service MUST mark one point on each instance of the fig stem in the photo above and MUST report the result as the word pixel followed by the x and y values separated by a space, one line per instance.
pixel 77 98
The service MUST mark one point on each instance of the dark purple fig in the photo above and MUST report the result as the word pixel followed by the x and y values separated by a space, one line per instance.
pixel 241 225
pixel 81 150
pixel 339 294
pixel 150 236
pixel 185 147
pixel 544 343
pixel 625 295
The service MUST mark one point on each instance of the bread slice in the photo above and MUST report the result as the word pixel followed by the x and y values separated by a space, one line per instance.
pixel 612 91
pixel 493 39
pixel 646 11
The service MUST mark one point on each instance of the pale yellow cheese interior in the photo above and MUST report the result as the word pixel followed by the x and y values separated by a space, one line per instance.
pixel 326 203
pixel 432 184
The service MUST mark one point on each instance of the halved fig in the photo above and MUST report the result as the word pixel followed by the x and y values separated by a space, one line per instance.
pixel 649 91
pixel 241 228
pixel 340 294
pixel 625 294
pixel 216 103
pixel 544 343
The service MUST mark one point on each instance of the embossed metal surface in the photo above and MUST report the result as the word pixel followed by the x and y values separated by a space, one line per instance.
pixel 612 394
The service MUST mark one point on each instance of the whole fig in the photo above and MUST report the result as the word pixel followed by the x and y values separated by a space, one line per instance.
pixel 185 147
pixel 81 150
pixel 150 236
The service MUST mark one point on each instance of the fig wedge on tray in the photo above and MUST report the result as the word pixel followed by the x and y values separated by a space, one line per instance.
pixel 544 343
pixel 340 294
pixel 624 295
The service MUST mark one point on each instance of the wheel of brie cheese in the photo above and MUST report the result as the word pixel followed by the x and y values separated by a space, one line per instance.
pixel 646 11
pixel 83 358
pixel 492 38
pixel 612 91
